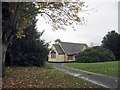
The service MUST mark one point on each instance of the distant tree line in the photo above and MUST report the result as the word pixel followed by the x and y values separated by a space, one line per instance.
pixel 108 51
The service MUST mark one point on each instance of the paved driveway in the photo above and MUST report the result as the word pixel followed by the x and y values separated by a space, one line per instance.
pixel 100 79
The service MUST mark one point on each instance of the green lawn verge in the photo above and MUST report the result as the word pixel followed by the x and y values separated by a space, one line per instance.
pixel 107 68
pixel 45 77
pixel 48 65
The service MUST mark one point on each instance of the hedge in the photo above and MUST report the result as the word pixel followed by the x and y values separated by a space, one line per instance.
pixel 95 54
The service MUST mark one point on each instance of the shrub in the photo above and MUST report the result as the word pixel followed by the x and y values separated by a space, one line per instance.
pixel 95 54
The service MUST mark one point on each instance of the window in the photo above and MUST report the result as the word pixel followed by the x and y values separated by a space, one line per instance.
pixel 70 57
pixel 53 54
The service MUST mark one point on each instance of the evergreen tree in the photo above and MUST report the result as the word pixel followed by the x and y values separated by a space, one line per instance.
pixel 112 42
pixel 29 50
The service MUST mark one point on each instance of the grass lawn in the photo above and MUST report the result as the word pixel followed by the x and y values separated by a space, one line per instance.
pixel 107 68
pixel 45 77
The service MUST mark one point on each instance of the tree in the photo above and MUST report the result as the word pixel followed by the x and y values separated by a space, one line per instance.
pixel 29 50
pixel 61 14
pixel 18 15
pixel 15 17
pixel 112 42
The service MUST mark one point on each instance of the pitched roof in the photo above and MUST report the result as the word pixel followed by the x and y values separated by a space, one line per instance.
pixel 69 48
pixel 58 48
pixel 72 48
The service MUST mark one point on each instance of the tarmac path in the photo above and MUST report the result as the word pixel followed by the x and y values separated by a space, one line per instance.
pixel 100 79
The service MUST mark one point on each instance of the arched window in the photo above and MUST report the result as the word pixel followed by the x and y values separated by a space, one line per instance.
pixel 53 54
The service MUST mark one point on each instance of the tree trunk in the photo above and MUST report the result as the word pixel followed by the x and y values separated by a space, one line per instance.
pixel 0 59
pixel 4 49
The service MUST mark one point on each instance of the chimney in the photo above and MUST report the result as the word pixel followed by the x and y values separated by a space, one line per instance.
pixel 57 41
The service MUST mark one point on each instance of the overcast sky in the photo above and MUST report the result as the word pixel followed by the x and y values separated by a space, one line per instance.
pixel 103 18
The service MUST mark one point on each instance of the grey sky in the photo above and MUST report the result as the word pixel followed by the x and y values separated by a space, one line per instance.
pixel 102 19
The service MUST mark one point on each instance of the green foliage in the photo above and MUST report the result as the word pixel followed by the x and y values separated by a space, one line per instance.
pixel 95 54
pixel 112 42
pixel 28 51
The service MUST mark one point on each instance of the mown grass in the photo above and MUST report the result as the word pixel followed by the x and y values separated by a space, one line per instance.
pixel 48 65
pixel 107 68
pixel 45 77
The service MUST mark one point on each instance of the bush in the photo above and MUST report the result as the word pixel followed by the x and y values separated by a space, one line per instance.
pixel 30 54
pixel 95 54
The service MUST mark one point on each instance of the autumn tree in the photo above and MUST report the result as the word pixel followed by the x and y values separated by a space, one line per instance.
pixel 61 14
pixel 15 17
pixel 18 15
pixel 112 42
